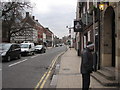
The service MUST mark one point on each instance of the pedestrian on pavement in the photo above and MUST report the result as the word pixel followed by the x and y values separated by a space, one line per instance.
pixel 86 66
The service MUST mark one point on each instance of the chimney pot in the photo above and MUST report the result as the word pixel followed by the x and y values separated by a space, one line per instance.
pixel 33 17
pixel 37 20
pixel 27 14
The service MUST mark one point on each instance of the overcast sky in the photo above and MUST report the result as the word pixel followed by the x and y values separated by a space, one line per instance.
pixel 55 14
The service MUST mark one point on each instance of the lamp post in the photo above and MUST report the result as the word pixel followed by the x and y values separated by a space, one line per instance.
pixel 101 7
pixel 70 33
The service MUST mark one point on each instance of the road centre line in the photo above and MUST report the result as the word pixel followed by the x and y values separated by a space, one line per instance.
pixel 34 56
pixel 17 62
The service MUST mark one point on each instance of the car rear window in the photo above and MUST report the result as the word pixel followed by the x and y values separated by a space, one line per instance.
pixel 5 46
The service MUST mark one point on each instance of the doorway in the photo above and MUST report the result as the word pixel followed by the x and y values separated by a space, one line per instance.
pixel 109 37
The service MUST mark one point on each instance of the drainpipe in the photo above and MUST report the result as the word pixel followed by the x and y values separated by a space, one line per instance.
pixel 94 28
pixel 95 52
pixel 99 18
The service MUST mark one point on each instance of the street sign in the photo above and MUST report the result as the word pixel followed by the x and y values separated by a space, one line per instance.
pixel 78 26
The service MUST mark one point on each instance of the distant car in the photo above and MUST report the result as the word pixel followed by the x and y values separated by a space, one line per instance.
pixel 9 51
pixel 56 45
pixel 40 49
pixel 60 44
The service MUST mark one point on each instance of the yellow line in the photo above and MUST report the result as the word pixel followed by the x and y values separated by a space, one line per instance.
pixel 48 74
pixel 43 76
pixel 42 85
pixel 40 81
pixel 51 63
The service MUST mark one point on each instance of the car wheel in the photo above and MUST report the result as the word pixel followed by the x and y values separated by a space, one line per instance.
pixel 8 58
pixel 33 53
pixel 19 56
pixel 44 51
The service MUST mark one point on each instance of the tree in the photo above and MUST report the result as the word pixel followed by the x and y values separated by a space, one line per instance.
pixel 12 14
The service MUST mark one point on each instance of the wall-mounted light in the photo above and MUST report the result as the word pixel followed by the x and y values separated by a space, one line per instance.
pixel 101 6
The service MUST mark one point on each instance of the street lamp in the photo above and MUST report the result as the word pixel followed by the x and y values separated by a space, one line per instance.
pixel 101 6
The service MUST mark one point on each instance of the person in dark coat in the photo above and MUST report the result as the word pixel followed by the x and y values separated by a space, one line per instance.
pixel 86 67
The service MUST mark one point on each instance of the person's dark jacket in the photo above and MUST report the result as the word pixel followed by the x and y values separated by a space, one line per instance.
pixel 87 61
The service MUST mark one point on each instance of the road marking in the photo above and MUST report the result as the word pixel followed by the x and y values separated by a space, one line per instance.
pixel 40 81
pixel 17 63
pixel 42 85
pixel 34 56
pixel 44 78
pixel 48 74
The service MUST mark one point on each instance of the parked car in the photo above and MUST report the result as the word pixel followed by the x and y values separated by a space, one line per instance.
pixel 27 48
pixel 40 49
pixel 9 51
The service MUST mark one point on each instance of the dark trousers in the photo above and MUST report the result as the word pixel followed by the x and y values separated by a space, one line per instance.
pixel 86 81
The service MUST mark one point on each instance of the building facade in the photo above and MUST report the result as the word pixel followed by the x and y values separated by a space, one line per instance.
pixel 32 31
pixel 101 28
pixel 110 37
pixel 28 33
pixel 0 31
pixel 49 37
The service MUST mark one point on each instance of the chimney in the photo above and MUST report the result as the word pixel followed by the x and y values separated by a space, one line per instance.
pixel 37 20
pixel 27 14
pixel 33 17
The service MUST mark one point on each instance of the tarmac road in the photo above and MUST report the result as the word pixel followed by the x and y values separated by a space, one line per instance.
pixel 26 72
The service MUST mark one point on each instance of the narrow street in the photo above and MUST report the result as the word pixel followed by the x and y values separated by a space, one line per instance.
pixel 54 44
pixel 26 72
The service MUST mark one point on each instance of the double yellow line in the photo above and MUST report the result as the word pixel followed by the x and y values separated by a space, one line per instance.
pixel 46 75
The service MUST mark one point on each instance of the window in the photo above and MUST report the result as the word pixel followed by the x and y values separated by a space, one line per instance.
pixel 89 35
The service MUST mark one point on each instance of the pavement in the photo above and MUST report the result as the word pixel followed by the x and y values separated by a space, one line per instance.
pixel 69 75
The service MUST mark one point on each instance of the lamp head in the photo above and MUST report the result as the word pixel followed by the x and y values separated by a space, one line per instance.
pixel 101 6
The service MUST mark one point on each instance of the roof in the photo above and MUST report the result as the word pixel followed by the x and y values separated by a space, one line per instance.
pixel 49 30
pixel 31 21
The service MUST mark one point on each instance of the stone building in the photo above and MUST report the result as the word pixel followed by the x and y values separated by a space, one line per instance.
pixel 0 31
pixel 110 37
pixel 32 31
pixel 49 37
pixel 101 28
pixel 28 33
pixel 84 13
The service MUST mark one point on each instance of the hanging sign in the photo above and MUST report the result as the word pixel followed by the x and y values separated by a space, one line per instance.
pixel 78 26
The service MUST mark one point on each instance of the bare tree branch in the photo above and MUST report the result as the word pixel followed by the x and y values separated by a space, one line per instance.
pixel 12 16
